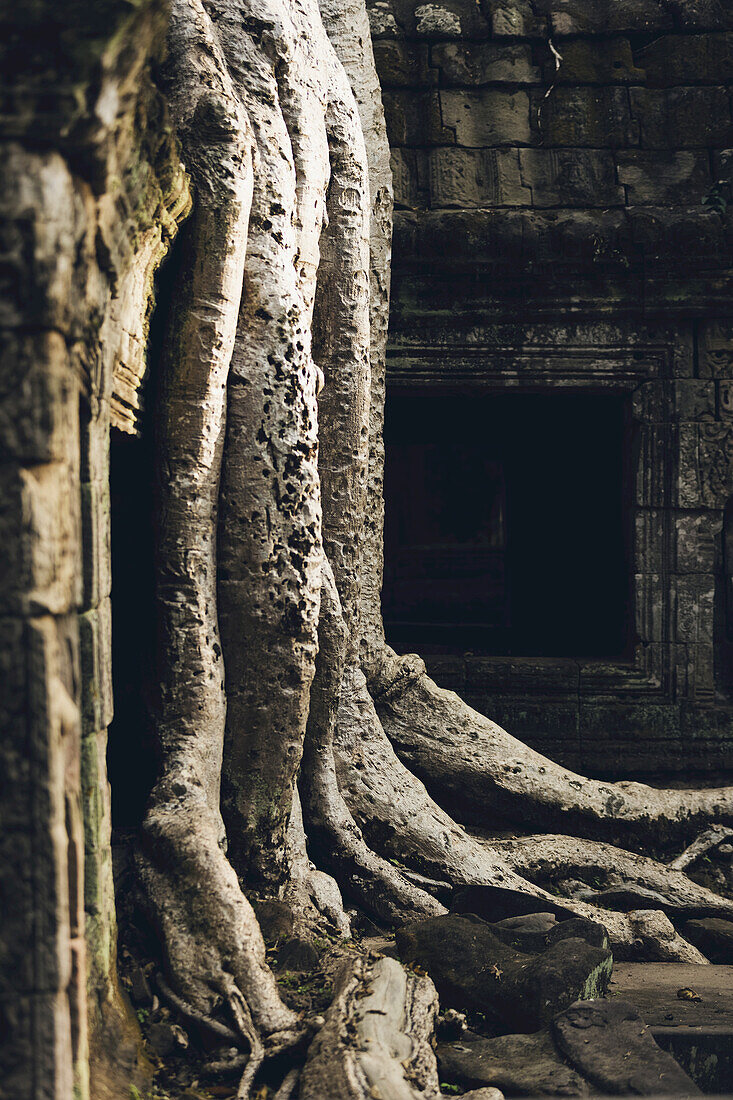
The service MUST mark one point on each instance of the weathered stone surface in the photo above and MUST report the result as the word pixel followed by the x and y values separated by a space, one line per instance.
pixel 678 177
pixel 519 1065
pixel 515 19
pixel 570 177
pixel 587 116
pixel 403 64
pixel 611 1046
pixel 535 932
pixel 469 63
pixel 481 177
pixel 414 118
pixel 472 968
pixel 579 17
pixel 489 117
pixel 713 936
pixel 687 59
pixel 584 61
pixel 681 118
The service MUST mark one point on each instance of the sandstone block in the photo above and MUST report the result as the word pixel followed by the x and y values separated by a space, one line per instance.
pixel 481 177
pixel 470 63
pixel 519 1065
pixel 611 1046
pixel 586 116
pixel 681 118
pixel 697 535
pixel 678 177
pixel 716 349
pixel 414 118
pixel 580 17
pixel 515 19
pixel 490 117
pixel 685 59
pixel 585 61
pixel 402 64
pixel 564 177
pixel 472 968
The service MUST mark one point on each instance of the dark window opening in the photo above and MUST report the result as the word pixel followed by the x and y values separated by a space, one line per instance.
pixel 506 527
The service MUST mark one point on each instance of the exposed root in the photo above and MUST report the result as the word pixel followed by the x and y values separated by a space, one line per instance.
pixel 376 1038
pixel 486 775
pixel 708 840
pixel 620 879
pixel 210 1023
pixel 335 836
pixel 401 821
pixel 214 951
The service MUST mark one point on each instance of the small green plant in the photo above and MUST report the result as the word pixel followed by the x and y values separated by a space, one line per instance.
pixel 142 1015
pixel 450 1090
pixel 134 1094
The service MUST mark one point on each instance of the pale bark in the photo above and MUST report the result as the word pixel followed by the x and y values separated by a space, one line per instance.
pixel 470 762
pixel 376 1038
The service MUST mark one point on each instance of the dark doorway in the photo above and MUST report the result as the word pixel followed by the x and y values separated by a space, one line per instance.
pixel 506 526
pixel 131 755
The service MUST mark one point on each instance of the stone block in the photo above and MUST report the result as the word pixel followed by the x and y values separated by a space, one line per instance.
pixel 585 61
pixel 649 539
pixel 585 117
pixel 693 674
pixel 655 446
pixel 697 534
pixel 688 59
pixel 628 721
pixel 716 349
pixel 95 635
pixel 437 21
pixel 681 118
pixel 680 177
pixel 403 64
pixel 702 15
pixel 96 542
pixel 715 470
pixel 476 178
pixel 414 118
pixel 688 399
pixel 649 606
pixel 515 19
pixel 470 63
pixel 40 533
pixel 665 233
pixel 382 22
pixel 448 672
pixel 39 399
pixel 406 167
pixel 569 17
pixel 570 177
pixel 692 598
pixel 489 117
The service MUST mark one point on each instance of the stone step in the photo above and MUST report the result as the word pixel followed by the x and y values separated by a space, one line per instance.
pixel 699 1033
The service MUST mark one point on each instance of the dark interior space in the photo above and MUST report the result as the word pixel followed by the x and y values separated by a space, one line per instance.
pixel 506 527
pixel 131 756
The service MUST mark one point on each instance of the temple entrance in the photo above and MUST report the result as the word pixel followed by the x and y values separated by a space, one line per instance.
pixel 507 523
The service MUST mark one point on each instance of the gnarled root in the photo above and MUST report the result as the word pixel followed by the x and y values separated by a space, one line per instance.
pixel 400 820
pixel 214 951
pixel 334 834
pixel 376 1038
pixel 627 880
pixel 475 766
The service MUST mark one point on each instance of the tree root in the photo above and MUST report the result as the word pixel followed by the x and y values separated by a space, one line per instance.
pixel 376 1038
pixel 707 840
pixel 400 820
pixel 210 1023
pixel 627 879
pixel 214 951
pixel 477 768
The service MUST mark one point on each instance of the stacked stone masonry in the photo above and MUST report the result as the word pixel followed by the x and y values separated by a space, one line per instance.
pixel 562 176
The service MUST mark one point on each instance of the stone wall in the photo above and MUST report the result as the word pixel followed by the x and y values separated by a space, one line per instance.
pixel 562 180
pixel 91 191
